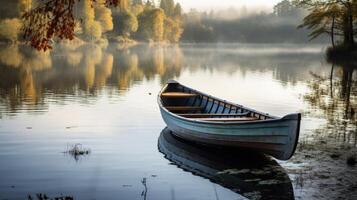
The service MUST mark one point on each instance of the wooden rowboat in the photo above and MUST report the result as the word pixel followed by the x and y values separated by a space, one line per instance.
pixel 198 117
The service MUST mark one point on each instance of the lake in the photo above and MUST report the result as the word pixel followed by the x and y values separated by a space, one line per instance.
pixel 105 99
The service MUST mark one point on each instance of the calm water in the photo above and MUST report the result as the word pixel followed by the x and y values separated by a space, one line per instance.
pixel 105 99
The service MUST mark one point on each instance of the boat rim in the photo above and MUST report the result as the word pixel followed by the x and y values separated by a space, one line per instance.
pixel 274 118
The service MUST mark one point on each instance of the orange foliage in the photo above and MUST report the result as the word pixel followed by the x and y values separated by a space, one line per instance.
pixel 52 19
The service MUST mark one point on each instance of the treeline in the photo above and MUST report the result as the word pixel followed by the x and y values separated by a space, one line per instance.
pixel 278 26
pixel 147 21
pixel 129 20
pixel 164 21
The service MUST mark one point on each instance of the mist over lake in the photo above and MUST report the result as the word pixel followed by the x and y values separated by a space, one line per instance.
pixel 171 99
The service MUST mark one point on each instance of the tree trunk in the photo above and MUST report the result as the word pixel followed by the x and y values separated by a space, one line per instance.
pixel 347 32
pixel 351 25
pixel 348 26
pixel 332 32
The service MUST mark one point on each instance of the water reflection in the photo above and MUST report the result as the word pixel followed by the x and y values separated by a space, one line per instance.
pixel 30 79
pixel 253 176
pixel 104 93
pixel 335 96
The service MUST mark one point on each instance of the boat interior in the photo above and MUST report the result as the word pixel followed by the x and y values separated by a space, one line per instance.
pixel 192 104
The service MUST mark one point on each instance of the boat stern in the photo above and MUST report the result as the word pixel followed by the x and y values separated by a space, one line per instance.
pixel 294 121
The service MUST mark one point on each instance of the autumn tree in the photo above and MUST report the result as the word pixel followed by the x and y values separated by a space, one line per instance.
pixel 104 16
pixel 125 23
pixel 10 29
pixel 124 5
pixel 335 17
pixel 10 22
pixel 55 19
pixel 151 24
pixel 172 30
pixel 168 6
pixel 92 29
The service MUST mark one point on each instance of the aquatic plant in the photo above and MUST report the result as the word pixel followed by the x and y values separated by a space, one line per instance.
pixel 41 196
pixel 77 150
pixel 145 191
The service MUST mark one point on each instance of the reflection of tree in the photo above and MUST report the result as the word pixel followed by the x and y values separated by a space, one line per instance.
pixel 21 88
pixel 27 75
pixel 287 64
pixel 104 70
pixel 93 56
pixel 336 97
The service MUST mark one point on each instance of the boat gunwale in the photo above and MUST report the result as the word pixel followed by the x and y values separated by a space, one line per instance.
pixel 274 118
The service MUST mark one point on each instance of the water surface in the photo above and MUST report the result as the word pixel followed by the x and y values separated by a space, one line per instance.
pixel 105 99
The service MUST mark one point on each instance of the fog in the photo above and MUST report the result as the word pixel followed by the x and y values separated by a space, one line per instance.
pixel 207 5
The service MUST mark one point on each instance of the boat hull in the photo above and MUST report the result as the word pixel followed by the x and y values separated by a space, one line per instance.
pixel 276 137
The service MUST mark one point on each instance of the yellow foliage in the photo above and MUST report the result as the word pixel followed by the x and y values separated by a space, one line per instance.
pixel 124 4
pixel 10 29
pixel 24 6
pixel 95 31
pixel 151 24
pixel 137 9
pixel 173 30
pixel 91 28
pixel 158 24
pixel 104 16
pixel 11 56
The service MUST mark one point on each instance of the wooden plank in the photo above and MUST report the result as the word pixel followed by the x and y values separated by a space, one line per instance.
pixel 184 108
pixel 228 119
pixel 178 95
pixel 205 115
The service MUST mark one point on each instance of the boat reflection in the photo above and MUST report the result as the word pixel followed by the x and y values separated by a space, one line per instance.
pixel 252 175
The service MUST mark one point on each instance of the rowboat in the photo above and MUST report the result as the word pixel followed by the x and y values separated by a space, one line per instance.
pixel 251 175
pixel 202 118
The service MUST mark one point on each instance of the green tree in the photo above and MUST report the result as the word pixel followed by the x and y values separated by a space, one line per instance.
pixel 168 6
pixel 151 24
pixel 336 17
pixel 177 10
pixel 283 8
pixel 322 21
pixel 125 23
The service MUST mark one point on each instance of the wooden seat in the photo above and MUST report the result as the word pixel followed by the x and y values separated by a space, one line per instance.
pixel 184 108
pixel 177 95
pixel 206 115
pixel 228 119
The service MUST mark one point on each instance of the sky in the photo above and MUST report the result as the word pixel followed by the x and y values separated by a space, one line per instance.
pixel 221 4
